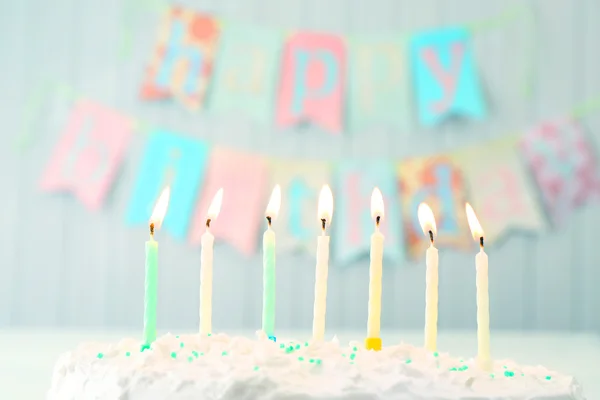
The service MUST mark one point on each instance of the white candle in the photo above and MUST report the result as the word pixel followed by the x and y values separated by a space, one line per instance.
pixel 427 222
pixel 484 358
pixel 373 341
pixel 325 211
pixel 206 266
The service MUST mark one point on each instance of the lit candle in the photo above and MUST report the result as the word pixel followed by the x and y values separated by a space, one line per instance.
pixel 151 286
pixel 206 266
pixel 373 341
pixel 325 211
pixel 268 316
pixel 427 222
pixel 484 358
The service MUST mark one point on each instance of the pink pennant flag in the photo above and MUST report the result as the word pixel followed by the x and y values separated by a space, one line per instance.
pixel 312 81
pixel 564 166
pixel 244 179
pixel 89 152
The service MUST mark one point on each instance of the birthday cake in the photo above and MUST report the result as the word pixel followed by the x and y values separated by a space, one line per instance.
pixel 218 367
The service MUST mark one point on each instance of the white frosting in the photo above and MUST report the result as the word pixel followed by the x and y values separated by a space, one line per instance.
pixel 191 367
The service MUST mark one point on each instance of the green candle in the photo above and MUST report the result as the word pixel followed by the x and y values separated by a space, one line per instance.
pixel 268 315
pixel 151 286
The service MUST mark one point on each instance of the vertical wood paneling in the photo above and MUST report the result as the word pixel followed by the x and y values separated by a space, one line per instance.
pixel 67 266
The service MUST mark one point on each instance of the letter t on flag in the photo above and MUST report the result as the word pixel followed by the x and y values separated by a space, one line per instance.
pixel 88 155
pixel 312 81
pixel 444 74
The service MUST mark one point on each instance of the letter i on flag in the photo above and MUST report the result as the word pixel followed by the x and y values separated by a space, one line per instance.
pixel 312 81
pixel 89 153
pixel 444 73
pixel 183 61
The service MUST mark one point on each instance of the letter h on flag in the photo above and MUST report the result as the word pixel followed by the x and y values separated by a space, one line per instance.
pixel 183 61
pixel 444 74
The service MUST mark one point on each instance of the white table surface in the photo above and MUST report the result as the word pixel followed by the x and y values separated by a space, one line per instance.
pixel 27 356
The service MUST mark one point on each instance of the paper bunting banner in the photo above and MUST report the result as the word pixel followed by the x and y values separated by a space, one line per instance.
pixel 245 72
pixel 378 82
pixel 89 153
pixel 244 180
pixel 444 73
pixel 298 223
pixel 439 183
pixel 500 192
pixel 172 160
pixel 312 81
pixel 354 183
pixel 184 55
pixel 564 166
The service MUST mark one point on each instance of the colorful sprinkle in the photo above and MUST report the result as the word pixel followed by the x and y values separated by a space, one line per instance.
pixel 452 369
pixel 318 361
pixel 352 356
pixel 127 354
pixel 435 354
pixel 100 355
pixel 181 345
pixel 289 349
pixel 201 354
pixel 408 361
pixel 173 354
pixel 177 337
pixel 190 358
pixel 305 344
pixel 195 353
pixel 312 360
pixel 355 348
pixel 281 346
pixel 210 334
pixel 509 374
pixel 256 367
pixel 548 377
pixel 224 353
pixel 492 375
pixel 297 347
pixel 300 358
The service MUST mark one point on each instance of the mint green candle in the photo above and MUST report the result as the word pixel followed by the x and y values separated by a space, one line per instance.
pixel 150 298
pixel 268 315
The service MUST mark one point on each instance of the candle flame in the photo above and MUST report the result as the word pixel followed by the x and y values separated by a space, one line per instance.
pixel 426 219
pixel 377 209
pixel 160 209
pixel 274 203
pixel 215 205
pixel 325 209
pixel 476 229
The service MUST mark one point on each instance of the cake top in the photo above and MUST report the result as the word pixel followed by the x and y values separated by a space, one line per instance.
pixel 223 367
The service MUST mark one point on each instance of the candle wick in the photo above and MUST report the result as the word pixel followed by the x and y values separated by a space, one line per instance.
pixel 481 242
pixel 323 225
pixel 377 220
pixel 207 223
pixel 431 236
pixel 152 229
pixel 269 220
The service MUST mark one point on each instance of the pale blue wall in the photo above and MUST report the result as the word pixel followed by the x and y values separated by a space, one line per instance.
pixel 62 265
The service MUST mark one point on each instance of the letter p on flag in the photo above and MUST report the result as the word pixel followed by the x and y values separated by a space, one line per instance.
pixel 312 81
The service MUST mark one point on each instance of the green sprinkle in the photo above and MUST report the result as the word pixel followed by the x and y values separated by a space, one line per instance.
pixel 289 349
pixel 435 354
pixel 145 346
pixel 318 361
pixel 190 358
pixel 505 367
pixel 281 346
pixel 351 362
pixel 522 374
pixel 463 368
pixel 127 354
pixel 181 345
pixel 352 356
pixel 224 353
pixel 312 360
pixel 305 344
pixel 492 375
pixel 548 377
pixel 343 355
pixel 100 355
pixel 408 361
pixel 173 354
pixel 355 348
pixel 201 354
pixel 297 347
pixel 256 367
pixel 210 334
pixel 509 374
pixel 461 361
pixel 177 337
pixel 195 353
pixel 452 369
pixel 300 358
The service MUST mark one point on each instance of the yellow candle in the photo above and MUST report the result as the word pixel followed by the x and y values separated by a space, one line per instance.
pixel 484 358
pixel 427 222
pixel 206 266
pixel 325 212
pixel 373 341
